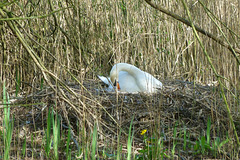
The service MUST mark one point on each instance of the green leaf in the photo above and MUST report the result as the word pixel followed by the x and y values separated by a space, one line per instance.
pixel 94 142
pixel 130 138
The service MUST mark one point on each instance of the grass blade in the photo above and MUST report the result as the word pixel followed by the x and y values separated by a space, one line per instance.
pixel 130 139
pixel 7 125
pixel 119 149
pixel 56 134
pixel 208 130
pixel 94 142
pixel 68 151
pixel 185 138
pixel 24 147
pixel 18 82
pixel 48 135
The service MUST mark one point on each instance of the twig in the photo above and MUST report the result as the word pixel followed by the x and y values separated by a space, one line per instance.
pixel 215 72
pixel 181 19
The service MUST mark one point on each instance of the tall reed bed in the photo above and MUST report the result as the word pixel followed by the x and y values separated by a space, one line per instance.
pixel 89 37
pixel 85 38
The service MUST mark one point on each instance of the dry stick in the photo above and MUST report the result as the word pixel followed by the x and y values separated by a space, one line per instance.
pixel 214 70
pixel 3 4
pixel 230 30
pixel 54 17
pixel 32 17
pixel 158 7
pixel 26 46
pixel 35 58
pixel 63 84
pixel 42 67
pixel 225 37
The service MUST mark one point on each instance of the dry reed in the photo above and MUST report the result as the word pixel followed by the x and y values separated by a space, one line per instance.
pixel 85 38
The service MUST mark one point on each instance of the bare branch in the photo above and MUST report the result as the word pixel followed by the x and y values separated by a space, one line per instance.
pixel 179 18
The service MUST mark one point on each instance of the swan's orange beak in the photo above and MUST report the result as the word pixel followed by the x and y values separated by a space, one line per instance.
pixel 118 86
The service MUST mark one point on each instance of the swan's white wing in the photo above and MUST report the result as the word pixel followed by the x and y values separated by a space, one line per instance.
pixel 159 84
pixel 156 83
pixel 132 79
pixel 105 80
pixel 127 82
pixel 148 83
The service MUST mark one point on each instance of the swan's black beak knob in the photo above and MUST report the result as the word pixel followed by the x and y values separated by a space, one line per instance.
pixel 116 83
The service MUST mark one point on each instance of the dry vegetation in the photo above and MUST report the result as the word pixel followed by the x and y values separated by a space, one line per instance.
pixel 52 51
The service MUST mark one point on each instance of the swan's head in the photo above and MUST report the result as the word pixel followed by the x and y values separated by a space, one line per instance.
pixel 114 77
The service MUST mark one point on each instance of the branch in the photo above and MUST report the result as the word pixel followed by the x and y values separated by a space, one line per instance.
pixel 179 18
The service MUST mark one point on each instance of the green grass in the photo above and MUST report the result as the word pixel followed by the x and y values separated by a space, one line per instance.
pixel 68 149
pixel 56 135
pixel 7 125
pixel 94 142
pixel 48 140
pixel 154 147
pixel 130 140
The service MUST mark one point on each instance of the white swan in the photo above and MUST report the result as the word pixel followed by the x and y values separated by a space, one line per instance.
pixel 129 78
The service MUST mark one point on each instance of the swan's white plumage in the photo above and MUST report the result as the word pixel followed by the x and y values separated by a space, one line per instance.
pixel 132 79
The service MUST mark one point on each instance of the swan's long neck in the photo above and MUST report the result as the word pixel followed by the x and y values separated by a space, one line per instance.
pixel 134 71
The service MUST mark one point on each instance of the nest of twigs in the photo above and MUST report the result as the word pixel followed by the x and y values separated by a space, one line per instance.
pixel 179 103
